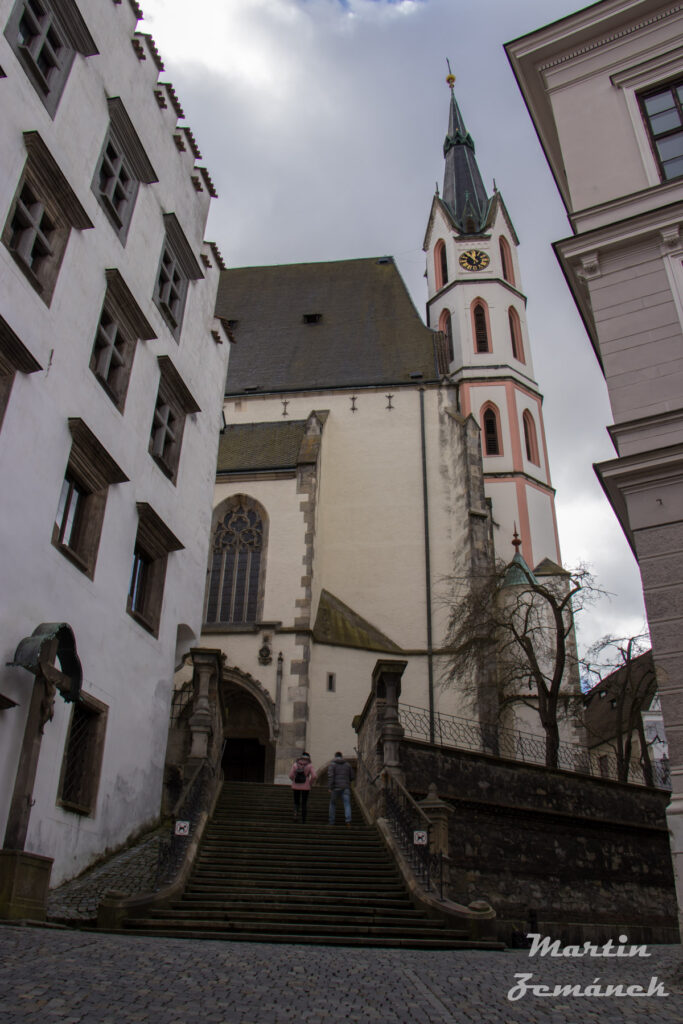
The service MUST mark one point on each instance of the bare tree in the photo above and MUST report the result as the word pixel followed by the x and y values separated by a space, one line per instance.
pixel 624 667
pixel 511 633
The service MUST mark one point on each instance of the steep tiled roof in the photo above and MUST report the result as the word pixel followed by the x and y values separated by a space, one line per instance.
pixel 600 711
pixel 363 328
pixel 336 623
pixel 260 446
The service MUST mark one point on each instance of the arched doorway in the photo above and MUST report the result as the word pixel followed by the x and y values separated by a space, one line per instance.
pixel 249 751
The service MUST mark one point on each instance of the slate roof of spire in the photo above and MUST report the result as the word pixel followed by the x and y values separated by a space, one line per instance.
pixel 368 331
pixel 463 189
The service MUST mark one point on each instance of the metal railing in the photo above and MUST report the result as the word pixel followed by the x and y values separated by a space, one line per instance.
pixel 173 848
pixel 515 745
pixel 406 818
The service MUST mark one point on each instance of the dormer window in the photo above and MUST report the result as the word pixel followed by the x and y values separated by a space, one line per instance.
pixel 312 318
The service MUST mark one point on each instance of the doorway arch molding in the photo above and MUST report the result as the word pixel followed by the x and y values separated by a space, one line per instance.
pixel 234 680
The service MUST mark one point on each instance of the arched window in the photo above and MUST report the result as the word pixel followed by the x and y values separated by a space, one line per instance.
pixel 491 431
pixel 440 264
pixel 506 260
pixel 516 334
pixel 446 327
pixel 480 323
pixel 530 438
pixel 236 562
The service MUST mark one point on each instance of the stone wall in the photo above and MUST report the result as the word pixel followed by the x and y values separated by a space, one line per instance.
pixel 570 856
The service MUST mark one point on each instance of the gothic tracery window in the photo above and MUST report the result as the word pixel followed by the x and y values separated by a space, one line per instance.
pixel 236 561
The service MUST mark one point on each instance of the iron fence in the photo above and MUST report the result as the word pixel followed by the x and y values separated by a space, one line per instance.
pixel 515 745
pixel 172 849
pixel 407 820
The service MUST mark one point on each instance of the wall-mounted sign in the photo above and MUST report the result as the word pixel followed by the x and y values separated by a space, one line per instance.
pixel 182 828
pixel 419 837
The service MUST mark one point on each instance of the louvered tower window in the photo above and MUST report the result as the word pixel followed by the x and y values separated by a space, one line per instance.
pixel 491 433
pixel 481 333
pixel 236 560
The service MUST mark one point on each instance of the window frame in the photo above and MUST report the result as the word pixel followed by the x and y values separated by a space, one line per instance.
pixel 440 264
pixel 507 265
pixel 531 448
pixel 14 358
pixel 42 178
pixel 446 328
pixel 648 93
pixel 491 410
pixel 91 758
pixel 130 325
pixel 217 569
pixel 177 267
pixel 516 342
pixel 480 303
pixel 174 401
pixel 90 471
pixel 130 159
pixel 64 21
pixel 154 541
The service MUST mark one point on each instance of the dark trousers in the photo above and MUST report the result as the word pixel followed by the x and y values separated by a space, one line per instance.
pixel 300 798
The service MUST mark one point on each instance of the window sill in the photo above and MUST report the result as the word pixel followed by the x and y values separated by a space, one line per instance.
pixel 73 808
pixel 28 273
pixel 165 468
pixel 172 324
pixel 147 624
pixel 75 558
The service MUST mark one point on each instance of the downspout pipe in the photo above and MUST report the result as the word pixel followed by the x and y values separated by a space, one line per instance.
pixel 428 567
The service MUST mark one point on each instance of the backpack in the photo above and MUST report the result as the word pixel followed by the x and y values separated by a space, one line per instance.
pixel 300 776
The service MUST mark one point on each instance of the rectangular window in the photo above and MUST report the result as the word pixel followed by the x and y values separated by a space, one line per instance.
pixel 42 214
pixel 14 358
pixel 663 113
pixel 45 36
pixel 173 404
pixel 83 497
pixel 79 781
pixel 171 289
pixel 177 267
pixel 70 514
pixel 331 682
pixel 121 324
pixel 153 544
pixel 122 165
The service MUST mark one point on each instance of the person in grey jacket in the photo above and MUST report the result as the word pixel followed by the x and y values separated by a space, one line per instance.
pixel 339 776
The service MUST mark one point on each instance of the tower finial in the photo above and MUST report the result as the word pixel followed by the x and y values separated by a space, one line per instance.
pixel 450 77
pixel 516 542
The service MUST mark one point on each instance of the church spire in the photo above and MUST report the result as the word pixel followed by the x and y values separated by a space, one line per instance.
pixel 463 189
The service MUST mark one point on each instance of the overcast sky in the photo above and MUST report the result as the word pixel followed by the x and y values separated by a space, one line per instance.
pixel 322 123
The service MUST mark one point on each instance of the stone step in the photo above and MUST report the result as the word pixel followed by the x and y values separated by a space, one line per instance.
pixel 364 941
pixel 244 920
pixel 293 899
pixel 297 929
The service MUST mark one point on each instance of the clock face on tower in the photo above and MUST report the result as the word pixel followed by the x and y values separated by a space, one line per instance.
pixel 474 259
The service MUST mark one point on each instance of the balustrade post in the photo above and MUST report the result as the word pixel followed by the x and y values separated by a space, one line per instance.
pixel 386 685
pixel 206 665
pixel 439 813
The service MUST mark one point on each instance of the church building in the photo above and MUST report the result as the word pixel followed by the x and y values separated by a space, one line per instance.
pixel 367 461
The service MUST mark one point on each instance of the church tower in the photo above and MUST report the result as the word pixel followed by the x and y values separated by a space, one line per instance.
pixel 475 298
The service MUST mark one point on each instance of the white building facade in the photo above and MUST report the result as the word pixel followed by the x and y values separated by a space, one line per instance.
pixel 111 371
pixel 604 88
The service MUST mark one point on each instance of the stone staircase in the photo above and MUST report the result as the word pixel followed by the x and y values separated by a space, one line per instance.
pixel 262 877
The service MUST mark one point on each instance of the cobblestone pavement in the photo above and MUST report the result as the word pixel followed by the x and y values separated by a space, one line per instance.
pixel 69 977
pixel 131 871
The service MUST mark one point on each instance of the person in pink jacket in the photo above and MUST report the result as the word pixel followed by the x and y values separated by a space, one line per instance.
pixel 303 777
